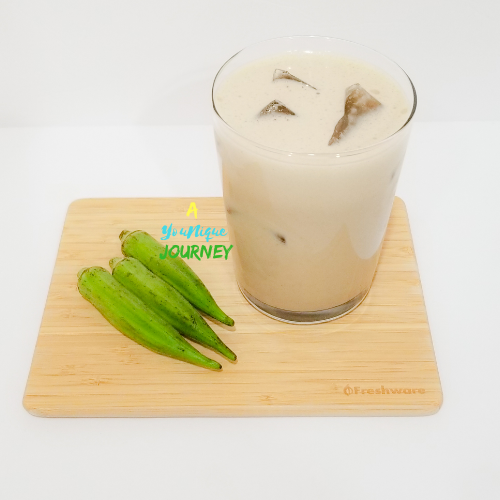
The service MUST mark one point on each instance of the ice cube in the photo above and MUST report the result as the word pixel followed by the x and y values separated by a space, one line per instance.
pixel 358 102
pixel 276 107
pixel 280 74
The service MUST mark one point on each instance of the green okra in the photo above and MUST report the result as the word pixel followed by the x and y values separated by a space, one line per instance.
pixel 167 302
pixel 128 314
pixel 176 272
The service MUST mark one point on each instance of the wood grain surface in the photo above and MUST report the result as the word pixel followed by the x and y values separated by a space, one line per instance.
pixel 377 360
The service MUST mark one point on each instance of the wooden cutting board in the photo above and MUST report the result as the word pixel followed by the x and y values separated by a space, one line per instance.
pixel 378 360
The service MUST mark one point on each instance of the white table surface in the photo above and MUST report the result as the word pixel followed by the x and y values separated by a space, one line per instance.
pixel 450 183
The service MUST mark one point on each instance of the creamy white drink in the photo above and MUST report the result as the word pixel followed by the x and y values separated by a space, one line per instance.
pixel 307 219
pixel 240 98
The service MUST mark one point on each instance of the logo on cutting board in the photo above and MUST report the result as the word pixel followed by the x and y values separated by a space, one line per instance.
pixel 348 390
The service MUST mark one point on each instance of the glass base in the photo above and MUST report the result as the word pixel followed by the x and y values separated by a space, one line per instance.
pixel 305 317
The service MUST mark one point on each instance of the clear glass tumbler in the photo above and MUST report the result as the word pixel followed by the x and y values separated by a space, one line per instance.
pixel 307 228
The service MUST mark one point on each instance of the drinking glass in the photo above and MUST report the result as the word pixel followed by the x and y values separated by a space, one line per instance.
pixel 307 228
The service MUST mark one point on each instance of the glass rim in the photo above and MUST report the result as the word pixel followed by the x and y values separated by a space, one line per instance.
pixel 350 152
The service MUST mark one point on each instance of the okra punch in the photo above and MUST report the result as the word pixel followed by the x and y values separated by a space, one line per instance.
pixel 134 319
pixel 174 271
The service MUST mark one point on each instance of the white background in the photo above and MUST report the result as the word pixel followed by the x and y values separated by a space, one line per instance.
pixel 151 62
pixel 101 98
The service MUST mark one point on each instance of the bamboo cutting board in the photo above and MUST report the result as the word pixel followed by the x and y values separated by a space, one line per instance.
pixel 378 360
